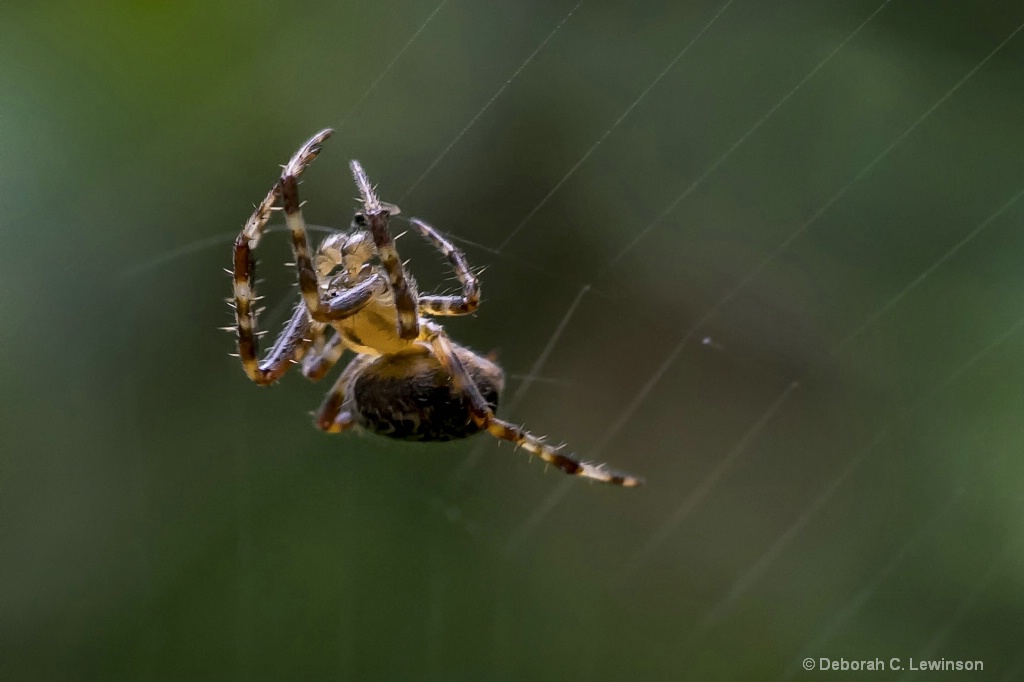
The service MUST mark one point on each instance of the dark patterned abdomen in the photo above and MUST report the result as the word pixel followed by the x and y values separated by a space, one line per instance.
pixel 412 398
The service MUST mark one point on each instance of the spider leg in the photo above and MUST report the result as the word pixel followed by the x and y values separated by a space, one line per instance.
pixel 344 303
pixel 276 364
pixel 289 346
pixel 463 304
pixel 319 361
pixel 331 416
pixel 481 413
pixel 404 288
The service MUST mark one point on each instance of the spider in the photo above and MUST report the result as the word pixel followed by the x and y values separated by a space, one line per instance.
pixel 408 380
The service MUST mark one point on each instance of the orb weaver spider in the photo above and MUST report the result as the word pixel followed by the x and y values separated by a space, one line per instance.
pixel 408 380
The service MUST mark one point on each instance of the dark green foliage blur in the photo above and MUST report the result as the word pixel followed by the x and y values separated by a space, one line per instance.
pixel 162 518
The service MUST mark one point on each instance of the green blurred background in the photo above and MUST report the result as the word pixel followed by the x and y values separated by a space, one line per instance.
pixel 161 518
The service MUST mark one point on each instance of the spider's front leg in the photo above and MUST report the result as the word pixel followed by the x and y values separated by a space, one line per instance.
pixel 481 413
pixel 288 347
pixel 344 303
pixel 243 275
pixel 376 213
pixel 293 339
pixel 469 300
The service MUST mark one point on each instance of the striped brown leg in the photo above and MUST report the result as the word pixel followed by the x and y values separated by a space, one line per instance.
pixel 376 213
pixel 340 304
pixel 450 305
pixel 288 347
pixel 503 430
pixel 319 361
pixel 245 296
pixel 332 416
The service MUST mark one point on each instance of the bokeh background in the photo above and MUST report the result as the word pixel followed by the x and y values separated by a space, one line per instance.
pixel 763 253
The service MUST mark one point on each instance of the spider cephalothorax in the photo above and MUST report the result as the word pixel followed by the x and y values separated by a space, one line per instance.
pixel 408 379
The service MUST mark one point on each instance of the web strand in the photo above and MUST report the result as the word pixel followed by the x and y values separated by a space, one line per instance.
pixel 849 610
pixel 563 488
pixel 965 606
pixel 917 281
pixel 488 103
pixel 391 65
pixel 766 559
pixel 736 145
pixel 551 274
pixel 701 492
pixel 758 269
pixel 618 121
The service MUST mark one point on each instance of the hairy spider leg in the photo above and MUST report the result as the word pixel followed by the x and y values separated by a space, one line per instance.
pixel 291 342
pixel 469 300
pixel 298 333
pixel 344 303
pixel 481 413
pixel 288 347
pixel 402 285
pixel 331 417
pixel 319 361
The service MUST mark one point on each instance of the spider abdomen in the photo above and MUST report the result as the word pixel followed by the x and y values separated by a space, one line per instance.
pixel 411 397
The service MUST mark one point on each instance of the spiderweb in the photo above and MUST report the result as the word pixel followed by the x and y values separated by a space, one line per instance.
pixel 788 356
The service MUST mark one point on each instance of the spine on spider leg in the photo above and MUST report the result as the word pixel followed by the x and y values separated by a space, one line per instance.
pixel 482 415
pixel 253 229
pixel 469 301
pixel 569 464
pixel 245 317
pixel 308 284
pixel 289 345
pixel 371 203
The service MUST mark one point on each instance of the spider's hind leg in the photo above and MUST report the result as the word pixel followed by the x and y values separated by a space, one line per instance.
pixel 482 414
